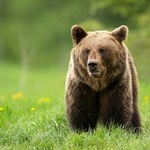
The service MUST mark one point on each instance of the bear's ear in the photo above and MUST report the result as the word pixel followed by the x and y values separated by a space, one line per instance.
pixel 121 33
pixel 77 33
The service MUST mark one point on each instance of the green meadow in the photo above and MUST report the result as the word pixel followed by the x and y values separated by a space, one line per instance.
pixel 32 115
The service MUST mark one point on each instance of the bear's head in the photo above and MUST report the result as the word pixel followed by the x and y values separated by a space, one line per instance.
pixel 99 55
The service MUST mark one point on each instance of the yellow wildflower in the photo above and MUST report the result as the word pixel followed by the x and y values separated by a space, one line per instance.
pixel 1 109
pixel 44 100
pixel 17 95
pixel 32 109
pixel 146 99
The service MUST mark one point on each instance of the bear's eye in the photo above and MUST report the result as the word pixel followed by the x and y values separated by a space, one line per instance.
pixel 87 51
pixel 102 51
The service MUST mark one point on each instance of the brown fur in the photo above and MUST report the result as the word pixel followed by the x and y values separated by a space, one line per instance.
pixel 101 82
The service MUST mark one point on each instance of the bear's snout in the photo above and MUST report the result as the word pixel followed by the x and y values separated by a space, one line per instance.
pixel 93 69
pixel 92 66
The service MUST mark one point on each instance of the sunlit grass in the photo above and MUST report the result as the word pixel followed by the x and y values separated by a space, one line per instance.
pixel 33 117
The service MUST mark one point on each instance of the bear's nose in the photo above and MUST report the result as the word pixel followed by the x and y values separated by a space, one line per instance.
pixel 92 65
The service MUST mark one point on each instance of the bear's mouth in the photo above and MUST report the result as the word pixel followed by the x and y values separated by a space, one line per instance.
pixel 95 74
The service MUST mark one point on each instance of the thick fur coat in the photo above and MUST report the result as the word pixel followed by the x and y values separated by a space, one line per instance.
pixel 101 82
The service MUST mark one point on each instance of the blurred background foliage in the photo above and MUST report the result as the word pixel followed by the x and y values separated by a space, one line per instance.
pixel 36 33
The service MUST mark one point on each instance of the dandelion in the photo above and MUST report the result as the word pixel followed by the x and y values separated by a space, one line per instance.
pixel 1 109
pixel 44 100
pixel 146 99
pixel 32 109
pixel 17 95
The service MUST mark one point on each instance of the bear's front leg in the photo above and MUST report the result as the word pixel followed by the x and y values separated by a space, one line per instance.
pixel 82 106
pixel 116 105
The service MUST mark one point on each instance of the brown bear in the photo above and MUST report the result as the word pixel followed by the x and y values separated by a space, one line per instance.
pixel 101 82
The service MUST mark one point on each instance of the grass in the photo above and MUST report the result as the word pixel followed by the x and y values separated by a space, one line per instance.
pixel 32 115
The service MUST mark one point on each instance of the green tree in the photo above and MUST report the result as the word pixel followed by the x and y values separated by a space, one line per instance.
pixel 115 12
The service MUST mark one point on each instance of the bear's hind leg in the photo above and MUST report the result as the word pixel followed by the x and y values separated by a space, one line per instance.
pixel 136 122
